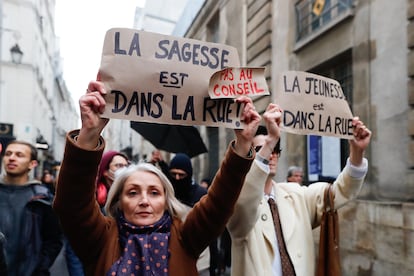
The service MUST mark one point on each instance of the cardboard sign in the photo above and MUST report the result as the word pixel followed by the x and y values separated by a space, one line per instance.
pixel 235 82
pixel 164 79
pixel 313 104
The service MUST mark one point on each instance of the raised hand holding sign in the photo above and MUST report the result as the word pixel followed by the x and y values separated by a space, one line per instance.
pixel 164 79
pixel 313 104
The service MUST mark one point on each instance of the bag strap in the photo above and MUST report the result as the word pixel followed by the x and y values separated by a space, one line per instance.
pixel 329 196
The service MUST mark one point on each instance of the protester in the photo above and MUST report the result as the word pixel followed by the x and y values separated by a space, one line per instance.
pixel 189 192
pixel 141 205
pixel 31 229
pixel 48 179
pixel 224 247
pixel 295 174
pixel 180 174
pixel 214 254
pixel 256 250
pixel 111 162
pixel 158 161
pixel 72 262
pixel 220 249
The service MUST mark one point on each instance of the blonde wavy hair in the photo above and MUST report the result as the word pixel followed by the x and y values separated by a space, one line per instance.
pixel 173 205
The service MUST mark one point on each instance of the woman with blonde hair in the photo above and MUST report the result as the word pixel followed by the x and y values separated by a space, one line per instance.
pixel 174 206
pixel 145 232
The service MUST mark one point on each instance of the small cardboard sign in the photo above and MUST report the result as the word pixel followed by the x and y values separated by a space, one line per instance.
pixel 164 79
pixel 234 82
pixel 313 104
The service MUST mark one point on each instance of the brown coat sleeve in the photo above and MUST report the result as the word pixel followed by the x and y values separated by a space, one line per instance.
pixel 95 237
pixel 80 216
pixel 209 216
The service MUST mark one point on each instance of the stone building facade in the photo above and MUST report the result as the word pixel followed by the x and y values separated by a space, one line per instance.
pixel 368 47
pixel 35 104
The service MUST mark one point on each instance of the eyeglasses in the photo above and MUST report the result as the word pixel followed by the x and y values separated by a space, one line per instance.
pixel 275 150
pixel 120 165
pixel 180 175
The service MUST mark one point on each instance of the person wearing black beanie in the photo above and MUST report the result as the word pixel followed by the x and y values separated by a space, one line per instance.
pixel 188 192
pixel 181 177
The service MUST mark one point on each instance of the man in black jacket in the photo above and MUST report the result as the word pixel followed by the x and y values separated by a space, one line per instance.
pixel 33 237
pixel 180 173
pixel 181 176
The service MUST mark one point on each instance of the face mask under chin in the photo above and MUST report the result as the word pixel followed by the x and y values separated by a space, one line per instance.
pixel 111 175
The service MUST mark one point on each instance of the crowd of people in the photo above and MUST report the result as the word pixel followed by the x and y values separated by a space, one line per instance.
pixel 113 217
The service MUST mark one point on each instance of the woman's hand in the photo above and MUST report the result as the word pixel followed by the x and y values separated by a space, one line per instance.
pixel 272 118
pixel 92 105
pixel 244 137
pixel 362 137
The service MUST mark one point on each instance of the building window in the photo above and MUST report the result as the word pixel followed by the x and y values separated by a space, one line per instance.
pixel 326 156
pixel 338 68
pixel 313 15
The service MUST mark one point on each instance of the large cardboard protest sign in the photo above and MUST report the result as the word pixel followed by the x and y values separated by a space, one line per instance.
pixel 313 104
pixel 235 82
pixel 164 79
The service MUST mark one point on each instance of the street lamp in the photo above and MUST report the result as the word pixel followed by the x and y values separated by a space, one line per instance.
pixel 16 54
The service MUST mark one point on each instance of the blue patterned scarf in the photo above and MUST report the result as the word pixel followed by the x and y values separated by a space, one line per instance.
pixel 144 248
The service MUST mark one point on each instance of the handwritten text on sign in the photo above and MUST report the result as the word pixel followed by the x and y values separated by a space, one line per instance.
pixel 313 104
pixel 164 79
pixel 235 82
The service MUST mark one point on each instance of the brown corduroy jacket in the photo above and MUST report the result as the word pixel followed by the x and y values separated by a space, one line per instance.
pixel 95 238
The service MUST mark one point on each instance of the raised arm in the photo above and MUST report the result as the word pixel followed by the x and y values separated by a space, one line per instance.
pixel 272 118
pixel 244 137
pixel 362 137
pixel 247 207
pixel 92 105
pixel 206 221
pixel 350 180
pixel 75 204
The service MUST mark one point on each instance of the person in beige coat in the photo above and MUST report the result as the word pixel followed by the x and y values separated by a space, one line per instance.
pixel 254 244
